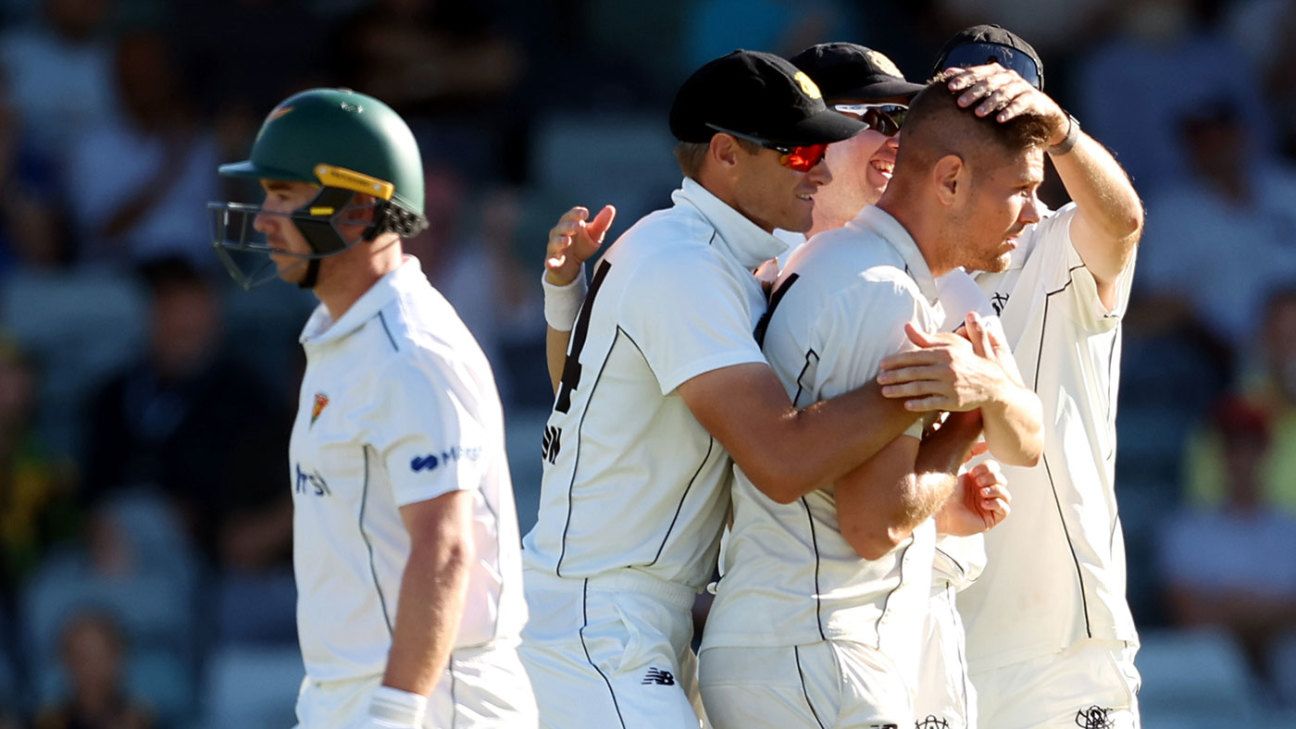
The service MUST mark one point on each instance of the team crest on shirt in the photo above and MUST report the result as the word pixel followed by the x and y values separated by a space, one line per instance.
pixel 1094 717
pixel 321 402
pixel 931 722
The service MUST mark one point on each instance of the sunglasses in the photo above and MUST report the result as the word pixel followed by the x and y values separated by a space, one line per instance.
pixel 883 118
pixel 801 158
pixel 976 54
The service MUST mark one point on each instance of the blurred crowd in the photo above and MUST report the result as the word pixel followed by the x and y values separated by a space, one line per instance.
pixel 145 404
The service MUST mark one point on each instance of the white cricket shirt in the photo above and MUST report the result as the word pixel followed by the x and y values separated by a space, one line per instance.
pixel 1056 567
pixel 789 577
pixel 631 479
pixel 398 405
pixel 959 560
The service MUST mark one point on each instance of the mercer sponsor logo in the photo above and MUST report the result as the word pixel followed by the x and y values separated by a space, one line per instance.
pixel 311 482
pixel 433 461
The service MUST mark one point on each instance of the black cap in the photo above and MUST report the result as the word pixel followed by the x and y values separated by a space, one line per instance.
pixel 758 95
pixel 982 44
pixel 850 71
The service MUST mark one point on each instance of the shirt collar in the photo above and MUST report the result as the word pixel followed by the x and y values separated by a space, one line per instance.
pixel 321 328
pixel 740 238
pixel 889 229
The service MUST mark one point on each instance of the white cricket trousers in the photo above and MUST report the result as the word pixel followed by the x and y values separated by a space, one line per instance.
pixel 945 697
pixel 482 688
pixel 612 651
pixel 1091 685
pixel 824 685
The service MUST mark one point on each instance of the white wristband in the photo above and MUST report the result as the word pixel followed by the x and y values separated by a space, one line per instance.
pixel 562 303
pixel 392 707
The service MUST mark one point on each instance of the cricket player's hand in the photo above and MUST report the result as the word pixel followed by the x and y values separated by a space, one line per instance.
pixel 988 341
pixel 574 240
pixel 980 502
pixel 946 372
pixel 993 89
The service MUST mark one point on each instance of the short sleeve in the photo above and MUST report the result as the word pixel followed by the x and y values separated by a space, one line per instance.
pixel 1058 266
pixel 692 318
pixel 864 325
pixel 427 431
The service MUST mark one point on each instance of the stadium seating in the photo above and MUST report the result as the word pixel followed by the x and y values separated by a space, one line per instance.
pixel 150 593
pixel 80 327
pixel 249 686
pixel 622 159
pixel 1195 679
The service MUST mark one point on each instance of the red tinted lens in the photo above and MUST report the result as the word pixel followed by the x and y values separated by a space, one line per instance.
pixel 803 159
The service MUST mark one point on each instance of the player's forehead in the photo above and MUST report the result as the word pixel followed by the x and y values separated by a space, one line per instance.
pixel 1020 169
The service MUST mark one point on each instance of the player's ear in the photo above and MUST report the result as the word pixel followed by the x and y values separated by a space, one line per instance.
pixel 724 150
pixel 950 177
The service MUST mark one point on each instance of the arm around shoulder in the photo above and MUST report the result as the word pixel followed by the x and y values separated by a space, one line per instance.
pixel 785 451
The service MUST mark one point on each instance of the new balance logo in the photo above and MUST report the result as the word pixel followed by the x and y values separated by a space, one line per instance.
pixel 659 677
pixel 1094 717
pixel 931 722
pixel 551 443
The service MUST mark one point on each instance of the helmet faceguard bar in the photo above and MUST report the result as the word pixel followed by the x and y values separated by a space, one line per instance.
pixel 245 251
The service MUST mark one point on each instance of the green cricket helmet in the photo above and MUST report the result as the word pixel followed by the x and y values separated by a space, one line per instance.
pixel 343 141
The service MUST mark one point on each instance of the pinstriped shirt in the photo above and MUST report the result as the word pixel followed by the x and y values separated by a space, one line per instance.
pixel 631 479
pixel 398 405
pixel 1055 570
pixel 789 576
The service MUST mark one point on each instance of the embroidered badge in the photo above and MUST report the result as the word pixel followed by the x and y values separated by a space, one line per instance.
pixel 321 402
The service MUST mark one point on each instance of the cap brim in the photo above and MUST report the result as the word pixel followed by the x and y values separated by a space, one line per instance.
pixel 881 90
pixel 824 127
pixel 250 169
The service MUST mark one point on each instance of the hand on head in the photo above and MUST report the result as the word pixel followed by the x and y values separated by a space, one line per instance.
pixel 1002 92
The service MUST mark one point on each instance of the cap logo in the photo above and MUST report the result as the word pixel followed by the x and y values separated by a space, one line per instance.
pixel 885 64
pixel 807 86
